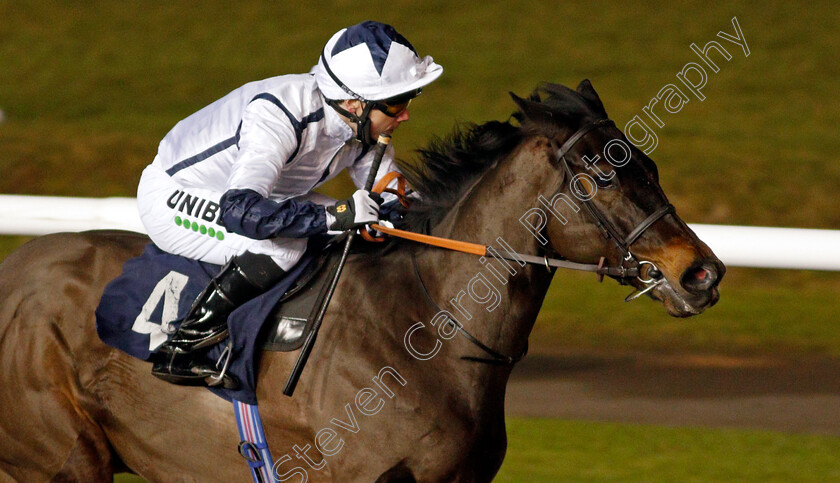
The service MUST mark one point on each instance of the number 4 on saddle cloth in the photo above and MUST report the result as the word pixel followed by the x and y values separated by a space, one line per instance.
pixel 142 307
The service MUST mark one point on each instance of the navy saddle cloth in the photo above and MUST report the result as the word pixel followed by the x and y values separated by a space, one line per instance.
pixel 139 309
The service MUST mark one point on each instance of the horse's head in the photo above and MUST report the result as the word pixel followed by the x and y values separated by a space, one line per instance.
pixel 608 202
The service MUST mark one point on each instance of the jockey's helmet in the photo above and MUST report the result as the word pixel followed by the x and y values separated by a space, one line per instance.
pixel 373 63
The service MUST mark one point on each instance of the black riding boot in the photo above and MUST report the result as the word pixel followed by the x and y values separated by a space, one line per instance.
pixel 182 359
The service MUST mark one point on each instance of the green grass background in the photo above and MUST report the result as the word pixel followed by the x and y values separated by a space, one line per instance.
pixel 89 89
pixel 544 450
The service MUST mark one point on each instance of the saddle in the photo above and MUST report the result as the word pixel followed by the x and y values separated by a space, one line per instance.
pixel 292 319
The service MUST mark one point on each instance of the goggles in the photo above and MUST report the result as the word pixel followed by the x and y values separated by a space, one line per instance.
pixel 395 106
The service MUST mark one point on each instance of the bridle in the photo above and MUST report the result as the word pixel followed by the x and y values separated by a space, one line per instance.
pixel 629 267
pixel 608 228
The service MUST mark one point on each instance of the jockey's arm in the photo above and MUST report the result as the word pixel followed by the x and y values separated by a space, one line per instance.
pixel 267 141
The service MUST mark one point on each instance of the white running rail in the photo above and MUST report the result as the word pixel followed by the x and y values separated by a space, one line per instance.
pixel 740 246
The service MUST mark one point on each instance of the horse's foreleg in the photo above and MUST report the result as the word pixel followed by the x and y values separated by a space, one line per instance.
pixel 90 459
pixel 47 431
pixel 399 473
pixel 53 443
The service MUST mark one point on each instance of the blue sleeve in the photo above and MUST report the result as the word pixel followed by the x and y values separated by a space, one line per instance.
pixel 249 214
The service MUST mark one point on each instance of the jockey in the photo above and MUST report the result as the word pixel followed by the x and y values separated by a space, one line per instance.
pixel 231 184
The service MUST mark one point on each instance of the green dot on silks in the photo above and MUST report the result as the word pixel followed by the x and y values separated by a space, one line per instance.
pixel 178 220
pixel 211 231
pixel 187 224
pixel 202 229
pixel 194 226
pixel 220 235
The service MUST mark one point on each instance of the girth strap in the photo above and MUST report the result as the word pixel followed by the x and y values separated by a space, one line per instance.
pixel 253 445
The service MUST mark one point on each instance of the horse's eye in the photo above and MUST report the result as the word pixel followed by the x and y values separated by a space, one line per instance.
pixel 605 183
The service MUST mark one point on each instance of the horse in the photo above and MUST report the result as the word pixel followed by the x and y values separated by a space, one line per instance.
pixel 391 392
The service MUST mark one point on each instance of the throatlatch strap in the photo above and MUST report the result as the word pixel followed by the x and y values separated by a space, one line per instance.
pixel 253 446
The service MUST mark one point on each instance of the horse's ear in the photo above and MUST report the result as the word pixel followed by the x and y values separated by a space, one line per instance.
pixel 586 90
pixel 529 109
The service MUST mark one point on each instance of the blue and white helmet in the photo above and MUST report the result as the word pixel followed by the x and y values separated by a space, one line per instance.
pixel 371 61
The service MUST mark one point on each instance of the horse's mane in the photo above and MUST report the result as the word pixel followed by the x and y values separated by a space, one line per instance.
pixel 448 166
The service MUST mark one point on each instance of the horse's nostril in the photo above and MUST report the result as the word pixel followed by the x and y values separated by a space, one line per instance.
pixel 700 278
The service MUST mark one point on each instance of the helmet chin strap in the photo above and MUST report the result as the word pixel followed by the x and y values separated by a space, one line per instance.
pixel 362 122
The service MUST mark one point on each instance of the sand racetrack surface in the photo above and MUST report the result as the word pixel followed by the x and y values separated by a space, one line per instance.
pixel 795 396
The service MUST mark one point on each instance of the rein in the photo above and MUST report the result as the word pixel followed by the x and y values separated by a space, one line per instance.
pixel 485 251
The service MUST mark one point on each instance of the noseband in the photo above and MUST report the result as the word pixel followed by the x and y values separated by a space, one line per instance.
pixel 630 262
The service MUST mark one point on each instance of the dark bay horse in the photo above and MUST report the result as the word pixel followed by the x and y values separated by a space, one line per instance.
pixel 387 394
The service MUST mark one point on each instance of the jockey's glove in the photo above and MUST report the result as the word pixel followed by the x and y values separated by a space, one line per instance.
pixel 360 209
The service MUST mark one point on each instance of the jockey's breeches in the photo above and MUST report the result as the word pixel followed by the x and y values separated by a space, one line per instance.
pixel 187 221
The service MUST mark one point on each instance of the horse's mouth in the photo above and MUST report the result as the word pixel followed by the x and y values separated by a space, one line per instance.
pixel 683 304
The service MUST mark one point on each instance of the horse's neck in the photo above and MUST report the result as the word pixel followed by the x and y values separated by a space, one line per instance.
pixel 501 298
